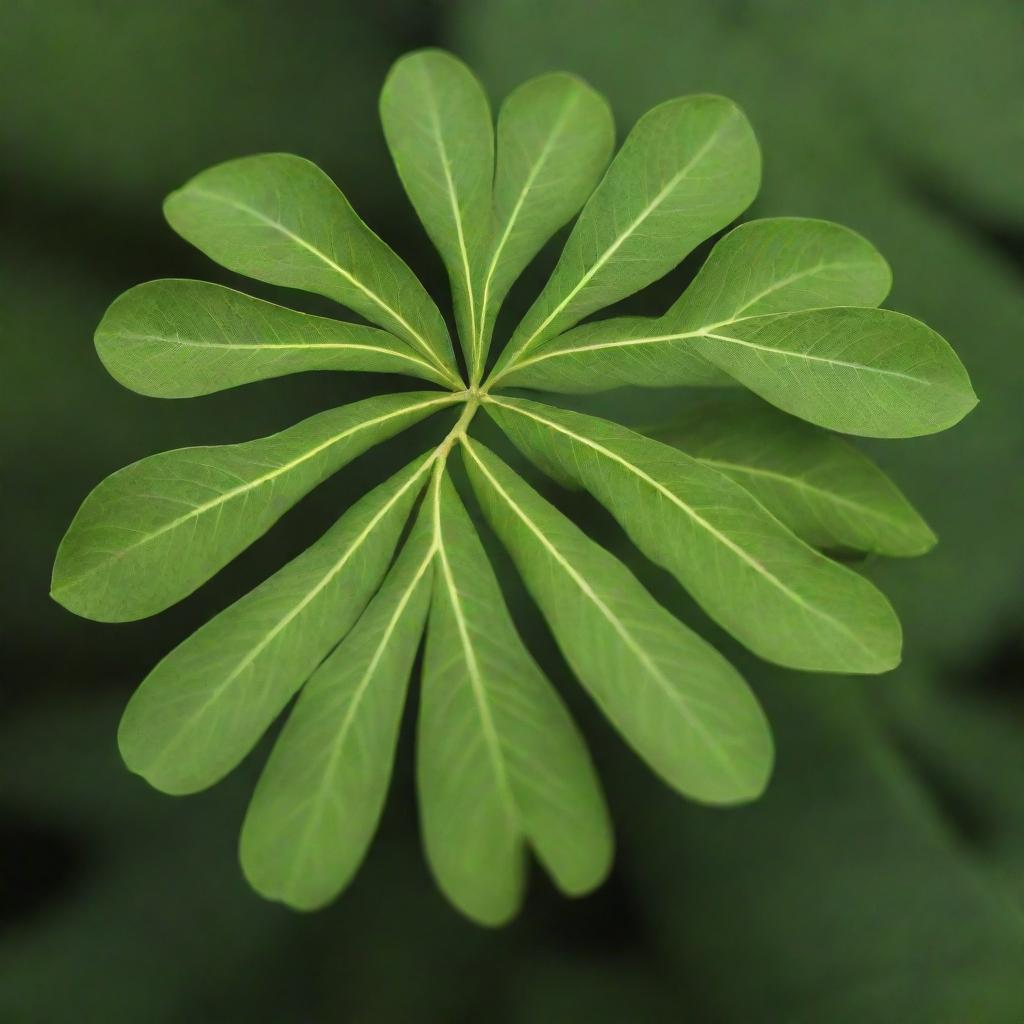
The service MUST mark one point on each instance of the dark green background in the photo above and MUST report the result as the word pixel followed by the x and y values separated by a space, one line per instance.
pixel 881 879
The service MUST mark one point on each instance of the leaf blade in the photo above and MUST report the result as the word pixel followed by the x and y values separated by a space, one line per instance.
pixel 499 761
pixel 321 793
pixel 870 372
pixel 432 108
pixel 205 705
pixel 555 137
pixel 825 490
pixel 783 600
pixel 702 731
pixel 280 219
pixel 180 339
pixel 779 264
pixel 676 150
pixel 131 551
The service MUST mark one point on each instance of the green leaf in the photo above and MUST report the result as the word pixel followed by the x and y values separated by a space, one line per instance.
pixel 280 219
pixel 318 801
pixel 784 600
pixel 677 701
pixel 152 532
pixel 179 339
pixel 859 371
pixel 782 264
pixel 765 266
pixel 688 167
pixel 500 763
pixel 826 491
pixel 204 706
pixel 555 138
pixel 438 126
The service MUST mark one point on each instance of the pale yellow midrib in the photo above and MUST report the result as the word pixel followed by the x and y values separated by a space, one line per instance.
pixel 491 737
pixel 253 653
pixel 880 371
pixel 612 618
pixel 545 153
pixel 693 514
pixel 242 488
pixel 629 231
pixel 346 274
pixel 259 346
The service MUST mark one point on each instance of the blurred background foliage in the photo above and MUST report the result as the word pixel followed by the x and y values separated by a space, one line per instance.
pixel 882 877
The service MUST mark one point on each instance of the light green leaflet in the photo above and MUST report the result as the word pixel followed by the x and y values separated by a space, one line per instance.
pixel 821 487
pixel 178 339
pixel 151 533
pixel 555 138
pixel 280 219
pixel 680 704
pixel 437 122
pixel 785 601
pixel 201 710
pixel 321 793
pixel 775 265
pixel 688 168
pixel 735 507
pixel 500 764
pixel 860 371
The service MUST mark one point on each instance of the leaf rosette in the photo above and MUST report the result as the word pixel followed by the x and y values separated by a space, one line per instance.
pixel 743 499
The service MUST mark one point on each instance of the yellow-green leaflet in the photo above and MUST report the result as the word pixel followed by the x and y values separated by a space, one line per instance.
pixel 826 491
pixel 200 711
pixel 179 339
pixel 555 137
pixel 677 701
pixel 776 265
pixel 151 533
pixel 437 122
pixel 785 601
pixel 320 796
pixel 688 167
pixel 280 219
pixel 499 762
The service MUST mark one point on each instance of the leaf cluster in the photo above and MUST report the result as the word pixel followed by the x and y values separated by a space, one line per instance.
pixel 742 501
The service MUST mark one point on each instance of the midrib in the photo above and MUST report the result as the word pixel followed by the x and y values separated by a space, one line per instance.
pixel 490 731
